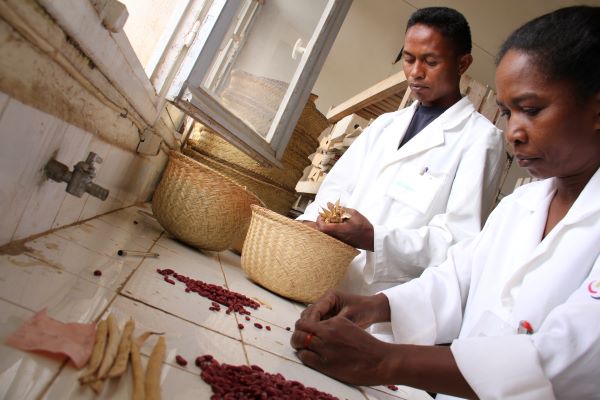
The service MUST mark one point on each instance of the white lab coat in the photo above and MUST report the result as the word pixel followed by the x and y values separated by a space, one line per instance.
pixel 505 275
pixel 433 192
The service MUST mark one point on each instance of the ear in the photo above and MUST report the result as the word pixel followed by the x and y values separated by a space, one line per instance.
pixel 464 62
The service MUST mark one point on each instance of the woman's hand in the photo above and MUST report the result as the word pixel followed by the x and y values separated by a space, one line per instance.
pixel 361 310
pixel 356 231
pixel 341 349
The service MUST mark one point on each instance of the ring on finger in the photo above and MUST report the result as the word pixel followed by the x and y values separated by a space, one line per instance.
pixel 307 339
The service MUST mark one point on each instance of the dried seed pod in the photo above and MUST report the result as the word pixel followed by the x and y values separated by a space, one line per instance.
pixel 137 371
pixel 97 352
pixel 111 347
pixel 152 384
pixel 334 213
pixel 120 364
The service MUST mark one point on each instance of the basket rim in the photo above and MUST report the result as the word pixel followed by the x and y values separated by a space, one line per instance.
pixel 227 165
pixel 265 212
pixel 179 156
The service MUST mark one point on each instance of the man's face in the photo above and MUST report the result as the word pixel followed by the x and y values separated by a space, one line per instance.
pixel 432 67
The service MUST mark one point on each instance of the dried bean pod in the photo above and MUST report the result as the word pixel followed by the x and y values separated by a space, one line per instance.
pixel 97 351
pixel 152 384
pixel 120 364
pixel 111 347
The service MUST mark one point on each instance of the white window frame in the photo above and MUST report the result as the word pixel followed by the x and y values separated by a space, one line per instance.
pixel 200 104
pixel 113 55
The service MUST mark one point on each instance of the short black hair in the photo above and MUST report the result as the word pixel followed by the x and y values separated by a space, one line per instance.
pixel 564 45
pixel 447 21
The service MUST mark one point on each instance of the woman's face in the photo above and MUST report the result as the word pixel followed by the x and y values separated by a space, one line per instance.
pixel 552 134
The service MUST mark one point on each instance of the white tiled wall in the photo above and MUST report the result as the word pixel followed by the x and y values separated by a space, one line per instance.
pixel 32 204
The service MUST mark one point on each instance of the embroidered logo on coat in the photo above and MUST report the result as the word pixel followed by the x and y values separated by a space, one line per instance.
pixel 594 289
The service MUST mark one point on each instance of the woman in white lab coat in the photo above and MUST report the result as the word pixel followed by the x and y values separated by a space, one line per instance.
pixel 410 202
pixel 520 302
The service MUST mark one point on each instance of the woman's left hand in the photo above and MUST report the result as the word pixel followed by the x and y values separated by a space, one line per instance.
pixel 341 349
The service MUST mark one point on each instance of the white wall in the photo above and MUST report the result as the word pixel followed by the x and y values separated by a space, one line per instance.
pixel 32 204
pixel 362 54
pixel 373 34
pixel 146 24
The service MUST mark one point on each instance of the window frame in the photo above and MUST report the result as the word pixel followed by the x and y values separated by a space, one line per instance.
pixel 112 54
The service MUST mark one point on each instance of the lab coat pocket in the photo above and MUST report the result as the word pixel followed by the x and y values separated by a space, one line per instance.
pixel 416 188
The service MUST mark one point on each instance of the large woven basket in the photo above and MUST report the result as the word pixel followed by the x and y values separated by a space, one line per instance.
pixel 274 197
pixel 201 206
pixel 292 259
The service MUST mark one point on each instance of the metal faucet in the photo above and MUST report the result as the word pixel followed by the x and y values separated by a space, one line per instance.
pixel 80 180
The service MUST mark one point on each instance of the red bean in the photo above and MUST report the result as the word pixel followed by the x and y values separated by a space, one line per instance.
pixel 392 387
pixel 259 326
pixel 180 360
pixel 287 328
pixel 251 382
pixel 97 273
pixel 247 318
pixel 268 327
pixel 235 302
pixel 241 326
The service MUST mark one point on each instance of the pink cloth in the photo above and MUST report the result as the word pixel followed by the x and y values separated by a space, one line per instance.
pixel 41 332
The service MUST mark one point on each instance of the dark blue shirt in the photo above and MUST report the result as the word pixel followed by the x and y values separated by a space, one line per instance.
pixel 422 117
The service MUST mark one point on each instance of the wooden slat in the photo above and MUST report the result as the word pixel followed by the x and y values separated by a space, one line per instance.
pixel 489 108
pixel 386 88
pixel 367 114
pixel 405 99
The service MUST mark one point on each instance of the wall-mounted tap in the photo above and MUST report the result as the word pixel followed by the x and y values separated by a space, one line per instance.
pixel 80 180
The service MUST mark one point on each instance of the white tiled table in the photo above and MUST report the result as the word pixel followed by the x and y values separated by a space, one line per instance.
pixel 56 271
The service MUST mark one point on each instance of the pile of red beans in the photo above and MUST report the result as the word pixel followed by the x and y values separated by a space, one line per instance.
pixel 251 382
pixel 235 302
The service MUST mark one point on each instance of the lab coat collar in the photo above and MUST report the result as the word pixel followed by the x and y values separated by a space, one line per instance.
pixel 585 207
pixel 431 136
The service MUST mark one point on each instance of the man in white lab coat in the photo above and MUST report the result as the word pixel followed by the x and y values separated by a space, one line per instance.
pixel 520 302
pixel 420 179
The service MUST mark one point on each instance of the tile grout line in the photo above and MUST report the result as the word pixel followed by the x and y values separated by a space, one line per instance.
pixel 234 314
pixel 120 289
pixel 176 316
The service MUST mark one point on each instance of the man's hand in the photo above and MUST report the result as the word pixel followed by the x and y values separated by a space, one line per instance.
pixel 356 231
pixel 311 224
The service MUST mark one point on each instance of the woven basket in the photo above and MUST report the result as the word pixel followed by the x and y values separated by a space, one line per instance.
pixel 294 160
pixel 200 206
pixel 274 197
pixel 292 259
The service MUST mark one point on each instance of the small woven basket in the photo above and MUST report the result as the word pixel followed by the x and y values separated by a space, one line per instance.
pixel 292 259
pixel 200 206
